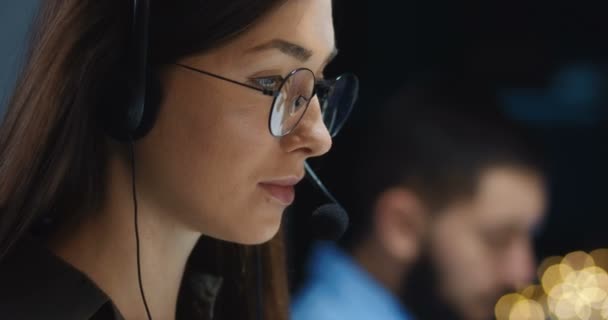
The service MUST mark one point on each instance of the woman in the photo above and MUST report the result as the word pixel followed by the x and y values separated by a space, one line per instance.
pixel 89 230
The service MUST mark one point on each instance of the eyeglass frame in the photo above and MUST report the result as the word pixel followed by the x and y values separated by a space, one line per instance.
pixel 324 83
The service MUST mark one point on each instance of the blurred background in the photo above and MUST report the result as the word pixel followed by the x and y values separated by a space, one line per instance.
pixel 546 61
pixel 15 17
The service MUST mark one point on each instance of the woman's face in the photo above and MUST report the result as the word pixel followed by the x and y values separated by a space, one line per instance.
pixel 210 160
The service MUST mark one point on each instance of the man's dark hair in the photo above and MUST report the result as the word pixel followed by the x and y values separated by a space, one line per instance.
pixel 436 139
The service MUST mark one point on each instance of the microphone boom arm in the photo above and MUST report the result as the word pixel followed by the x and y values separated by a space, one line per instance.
pixel 313 176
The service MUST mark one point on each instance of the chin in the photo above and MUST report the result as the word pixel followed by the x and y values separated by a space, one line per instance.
pixel 259 232
pixel 256 237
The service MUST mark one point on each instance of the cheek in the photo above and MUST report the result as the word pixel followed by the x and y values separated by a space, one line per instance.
pixel 461 259
pixel 202 162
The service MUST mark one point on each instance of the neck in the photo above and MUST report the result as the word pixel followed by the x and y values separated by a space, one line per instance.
pixel 381 266
pixel 103 246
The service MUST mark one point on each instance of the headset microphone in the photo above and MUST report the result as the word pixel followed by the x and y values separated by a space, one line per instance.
pixel 330 220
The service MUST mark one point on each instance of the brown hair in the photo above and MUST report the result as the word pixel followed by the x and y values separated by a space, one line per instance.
pixel 53 155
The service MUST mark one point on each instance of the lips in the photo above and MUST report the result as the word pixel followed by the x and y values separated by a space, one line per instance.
pixel 281 190
pixel 284 194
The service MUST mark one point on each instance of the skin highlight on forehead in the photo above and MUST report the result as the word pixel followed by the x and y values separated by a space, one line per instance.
pixel 511 198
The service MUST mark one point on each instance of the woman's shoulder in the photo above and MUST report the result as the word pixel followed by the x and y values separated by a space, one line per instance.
pixel 36 284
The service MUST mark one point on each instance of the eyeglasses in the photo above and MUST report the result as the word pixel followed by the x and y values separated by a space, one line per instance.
pixel 292 98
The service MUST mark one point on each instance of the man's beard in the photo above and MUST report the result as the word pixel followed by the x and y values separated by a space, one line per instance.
pixel 420 292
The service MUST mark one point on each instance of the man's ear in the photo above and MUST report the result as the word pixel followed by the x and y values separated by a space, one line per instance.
pixel 399 219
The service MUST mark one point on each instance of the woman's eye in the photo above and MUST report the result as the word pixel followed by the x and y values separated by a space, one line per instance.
pixel 268 83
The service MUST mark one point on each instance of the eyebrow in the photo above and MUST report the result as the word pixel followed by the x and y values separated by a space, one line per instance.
pixel 291 49
pixel 331 57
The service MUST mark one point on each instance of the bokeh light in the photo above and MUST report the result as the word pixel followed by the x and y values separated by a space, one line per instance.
pixel 600 256
pixel 546 263
pixel 503 307
pixel 527 309
pixel 573 287
pixel 578 260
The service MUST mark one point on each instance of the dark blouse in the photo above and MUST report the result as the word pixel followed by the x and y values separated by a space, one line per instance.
pixel 36 284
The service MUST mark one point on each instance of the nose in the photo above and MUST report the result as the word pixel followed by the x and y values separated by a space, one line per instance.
pixel 311 136
pixel 519 270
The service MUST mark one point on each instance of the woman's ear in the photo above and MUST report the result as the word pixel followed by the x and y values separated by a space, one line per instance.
pixel 399 219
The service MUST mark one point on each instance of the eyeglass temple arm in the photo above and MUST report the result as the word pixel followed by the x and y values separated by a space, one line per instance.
pixel 263 91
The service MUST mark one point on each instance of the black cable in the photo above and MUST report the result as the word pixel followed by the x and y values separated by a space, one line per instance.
pixel 135 216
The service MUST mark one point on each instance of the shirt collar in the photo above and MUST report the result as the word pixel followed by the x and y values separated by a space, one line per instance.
pixel 36 284
pixel 338 271
pixel 32 275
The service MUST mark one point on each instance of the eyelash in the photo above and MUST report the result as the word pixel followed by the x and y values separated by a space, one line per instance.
pixel 277 80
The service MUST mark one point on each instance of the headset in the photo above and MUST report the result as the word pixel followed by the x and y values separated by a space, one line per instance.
pixel 131 115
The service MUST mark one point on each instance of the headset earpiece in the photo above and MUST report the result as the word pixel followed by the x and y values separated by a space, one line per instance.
pixel 131 115
pixel 152 104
